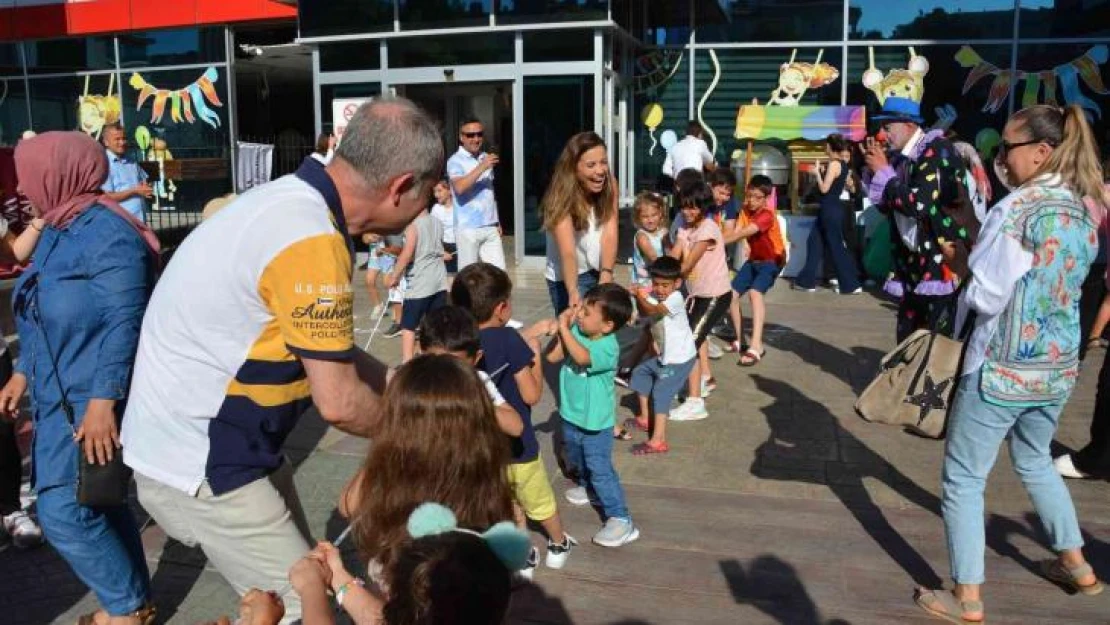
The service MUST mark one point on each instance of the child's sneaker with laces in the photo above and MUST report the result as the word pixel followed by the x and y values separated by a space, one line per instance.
pixel 693 409
pixel 529 571
pixel 557 553
pixel 22 529
pixel 616 532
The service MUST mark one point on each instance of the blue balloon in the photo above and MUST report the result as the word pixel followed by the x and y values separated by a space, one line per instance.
pixel 668 139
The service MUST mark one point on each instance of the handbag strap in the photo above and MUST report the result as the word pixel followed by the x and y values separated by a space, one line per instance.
pixel 67 407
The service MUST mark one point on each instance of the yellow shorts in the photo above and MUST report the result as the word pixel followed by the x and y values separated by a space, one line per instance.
pixel 532 490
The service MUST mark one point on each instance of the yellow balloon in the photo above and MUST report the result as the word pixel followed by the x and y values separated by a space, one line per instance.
pixel 652 115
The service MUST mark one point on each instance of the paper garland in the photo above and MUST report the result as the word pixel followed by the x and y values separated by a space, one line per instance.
pixel 182 101
pixel 1067 76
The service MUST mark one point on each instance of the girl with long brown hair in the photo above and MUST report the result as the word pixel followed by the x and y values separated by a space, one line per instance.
pixel 437 440
pixel 579 213
pixel 1023 281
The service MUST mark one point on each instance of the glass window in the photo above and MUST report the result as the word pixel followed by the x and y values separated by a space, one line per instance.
pixel 783 20
pixel 660 77
pixel 13 111
pixel 78 54
pixel 944 84
pixel 931 19
pixel 418 14
pixel 1054 18
pixel 10 63
pixel 54 102
pixel 541 11
pixel 331 92
pixel 668 23
pixel 1052 73
pixel 356 55
pixel 343 17
pixel 200 130
pixel 172 47
pixel 452 50
pixel 569 45
pixel 555 109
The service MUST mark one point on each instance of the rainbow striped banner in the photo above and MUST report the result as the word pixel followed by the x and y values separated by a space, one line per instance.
pixel 758 122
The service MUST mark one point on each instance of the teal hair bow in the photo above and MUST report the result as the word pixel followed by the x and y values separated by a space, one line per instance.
pixel 508 543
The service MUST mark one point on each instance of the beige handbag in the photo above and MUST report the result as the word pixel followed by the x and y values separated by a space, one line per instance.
pixel 915 384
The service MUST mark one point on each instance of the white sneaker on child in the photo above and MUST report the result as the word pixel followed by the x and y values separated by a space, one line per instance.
pixel 693 409
pixel 714 350
pixel 616 532
pixel 529 570
pixel 577 496
pixel 557 553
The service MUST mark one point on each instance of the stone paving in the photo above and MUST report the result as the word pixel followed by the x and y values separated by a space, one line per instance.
pixel 782 507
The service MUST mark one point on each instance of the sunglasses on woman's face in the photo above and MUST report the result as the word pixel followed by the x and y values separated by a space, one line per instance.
pixel 1005 146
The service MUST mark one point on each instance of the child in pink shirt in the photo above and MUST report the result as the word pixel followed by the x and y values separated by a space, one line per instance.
pixel 700 246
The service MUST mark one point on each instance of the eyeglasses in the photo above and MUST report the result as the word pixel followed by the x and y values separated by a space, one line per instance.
pixel 1005 146
pixel 473 135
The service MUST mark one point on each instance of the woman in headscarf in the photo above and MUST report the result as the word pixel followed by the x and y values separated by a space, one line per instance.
pixel 78 310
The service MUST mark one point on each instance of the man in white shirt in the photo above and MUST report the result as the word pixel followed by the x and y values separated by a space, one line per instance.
pixel 262 327
pixel 690 153
pixel 477 226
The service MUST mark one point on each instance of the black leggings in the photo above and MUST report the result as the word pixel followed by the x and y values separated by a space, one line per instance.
pixel 1094 459
pixel 706 313
pixel 11 464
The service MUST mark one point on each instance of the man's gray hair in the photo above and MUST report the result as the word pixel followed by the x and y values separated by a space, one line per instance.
pixel 389 137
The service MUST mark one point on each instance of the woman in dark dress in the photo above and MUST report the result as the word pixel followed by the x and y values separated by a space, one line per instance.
pixel 827 237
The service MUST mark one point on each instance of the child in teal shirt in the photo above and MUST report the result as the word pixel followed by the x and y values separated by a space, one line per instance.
pixel 588 346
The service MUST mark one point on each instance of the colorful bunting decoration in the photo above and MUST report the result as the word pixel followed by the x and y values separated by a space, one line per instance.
pixel 1085 68
pixel 182 101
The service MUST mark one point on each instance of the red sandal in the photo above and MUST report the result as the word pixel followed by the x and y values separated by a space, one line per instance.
pixel 647 448
pixel 640 424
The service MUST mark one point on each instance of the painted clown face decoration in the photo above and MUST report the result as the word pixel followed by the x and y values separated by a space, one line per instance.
pixel 906 83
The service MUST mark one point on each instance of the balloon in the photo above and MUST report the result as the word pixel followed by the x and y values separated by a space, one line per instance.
pixel 986 142
pixel 668 139
pixel 142 138
pixel 652 115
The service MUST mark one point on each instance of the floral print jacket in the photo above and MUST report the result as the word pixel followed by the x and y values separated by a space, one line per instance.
pixel 1028 269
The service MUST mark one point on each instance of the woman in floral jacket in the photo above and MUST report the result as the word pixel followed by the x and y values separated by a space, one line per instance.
pixel 1024 280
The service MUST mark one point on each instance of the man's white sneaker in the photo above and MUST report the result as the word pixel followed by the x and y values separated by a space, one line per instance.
pixel 24 532
pixel 693 409
pixel 557 553
pixel 1065 466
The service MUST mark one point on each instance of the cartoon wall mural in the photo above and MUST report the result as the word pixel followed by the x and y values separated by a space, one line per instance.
pixel 904 83
pixel 705 96
pixel 652 116
pixel 1086 67
pixel 183 100
pixel 795 78
pixel 94 112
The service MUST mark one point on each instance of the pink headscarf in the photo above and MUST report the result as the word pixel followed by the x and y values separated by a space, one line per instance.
pixel 61 174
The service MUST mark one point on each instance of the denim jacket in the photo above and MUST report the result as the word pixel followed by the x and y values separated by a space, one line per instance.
pixel 81 306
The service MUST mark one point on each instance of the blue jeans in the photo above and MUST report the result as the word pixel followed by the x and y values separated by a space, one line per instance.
pixel 101 545
pixel 976 430
pixel 828 236
pixel 591 456
pixel 662 383
pixel 560 299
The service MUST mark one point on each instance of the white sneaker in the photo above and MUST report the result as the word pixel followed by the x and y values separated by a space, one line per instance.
pixel 557 553
pixel 693 409
pixel 708 385
pixel 577 496
pixel 376 311
pixel 715 352
pixel 514 324
pixel 529 570
pixel 24 532
pixel 616 532
pixel 1065 466
pixel 859 289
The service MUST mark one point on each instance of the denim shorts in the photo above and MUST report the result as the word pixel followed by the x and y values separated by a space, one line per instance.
pixel 652 378
pixel 756 275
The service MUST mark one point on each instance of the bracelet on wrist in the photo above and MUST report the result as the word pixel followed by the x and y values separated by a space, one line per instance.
pixel 341 592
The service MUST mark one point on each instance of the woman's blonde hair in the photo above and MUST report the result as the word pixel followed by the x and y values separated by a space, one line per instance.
pixel 1075 154
pixel 565 197
pixel 651 199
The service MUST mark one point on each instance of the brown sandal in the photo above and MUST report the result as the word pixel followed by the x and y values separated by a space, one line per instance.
pixel 1055 571
pixel 145 614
